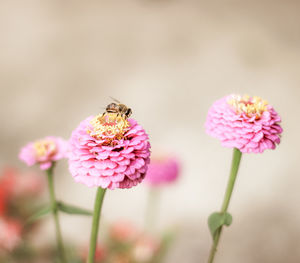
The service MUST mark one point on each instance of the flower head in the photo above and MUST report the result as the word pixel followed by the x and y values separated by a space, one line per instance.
pixel 44 152
pixel 109 151
pixel 162 171
pixel 249 124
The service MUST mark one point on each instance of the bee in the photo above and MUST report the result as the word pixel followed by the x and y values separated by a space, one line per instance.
pixel 119 108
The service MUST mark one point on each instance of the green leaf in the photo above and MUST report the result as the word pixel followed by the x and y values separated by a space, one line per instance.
pixel 217 220
pixel 73 210
pixel 40 213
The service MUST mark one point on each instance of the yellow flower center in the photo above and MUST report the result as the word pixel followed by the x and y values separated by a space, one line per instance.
pixel 251 106
pixel 44 147
pixel 109 126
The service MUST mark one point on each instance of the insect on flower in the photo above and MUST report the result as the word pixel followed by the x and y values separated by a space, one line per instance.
pixel 109 150
pixel 118 108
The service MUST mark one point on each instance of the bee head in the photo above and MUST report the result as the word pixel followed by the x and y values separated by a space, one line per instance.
pixel 128 112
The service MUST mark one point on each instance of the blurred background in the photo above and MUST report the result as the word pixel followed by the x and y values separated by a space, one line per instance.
pixel 169 60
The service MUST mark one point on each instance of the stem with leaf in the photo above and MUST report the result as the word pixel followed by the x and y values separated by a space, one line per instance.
pixel 54 210
pixel 217 220
pixel 95 226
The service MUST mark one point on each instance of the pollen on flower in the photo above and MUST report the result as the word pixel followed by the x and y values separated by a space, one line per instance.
pixel 108 127
pixel 251 106
pixel 44 147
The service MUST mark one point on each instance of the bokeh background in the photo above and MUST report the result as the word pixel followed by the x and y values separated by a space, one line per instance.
pixel 169 61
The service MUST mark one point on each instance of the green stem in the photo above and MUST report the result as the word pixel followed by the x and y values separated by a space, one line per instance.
pixel 95 227
pixel 236 158
pixel 53 202
pixel 152 207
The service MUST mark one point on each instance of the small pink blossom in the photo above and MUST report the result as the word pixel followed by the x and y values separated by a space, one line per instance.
pixel 10 234
pixel 249 124
pixel 162 171
pixel 109 152
pixel 44 152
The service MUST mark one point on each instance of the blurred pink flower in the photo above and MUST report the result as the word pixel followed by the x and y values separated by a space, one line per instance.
pixel 44 152
pixel 15 184
pixel 29 184
pixel 145 248
pixel 2 201
pixel 109 152
pixel 10 234
pixel 162 171
pixel 124 232
pixel 249 124
pixel 7 180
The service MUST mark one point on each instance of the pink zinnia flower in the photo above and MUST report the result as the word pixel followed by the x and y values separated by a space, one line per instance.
pixel 10 234
pixel 109 151
pixel 249 124
pixel 44 152
pixel 162 171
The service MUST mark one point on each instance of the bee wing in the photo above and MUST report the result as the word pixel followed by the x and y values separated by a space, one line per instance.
pixel 114 99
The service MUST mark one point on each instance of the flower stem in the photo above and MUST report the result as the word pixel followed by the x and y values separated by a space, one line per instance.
pixel 152 207
pixel 236 158
pixel 53 202
pixel 95 227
